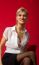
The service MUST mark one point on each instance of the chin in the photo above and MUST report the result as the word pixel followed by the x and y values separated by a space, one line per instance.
pixel 22 23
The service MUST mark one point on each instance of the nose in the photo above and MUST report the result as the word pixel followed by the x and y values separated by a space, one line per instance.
pixel 22 17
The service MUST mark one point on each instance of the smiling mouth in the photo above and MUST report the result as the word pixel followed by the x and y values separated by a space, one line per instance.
pixel 22 20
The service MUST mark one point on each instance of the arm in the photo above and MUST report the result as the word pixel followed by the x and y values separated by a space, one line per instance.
pixel 3 40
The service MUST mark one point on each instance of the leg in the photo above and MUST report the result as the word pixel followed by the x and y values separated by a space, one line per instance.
pixel 29 54
pixel 26 61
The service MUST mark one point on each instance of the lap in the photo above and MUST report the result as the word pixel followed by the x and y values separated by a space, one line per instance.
pixel 26 57
pixel 25 54
pixel 10 59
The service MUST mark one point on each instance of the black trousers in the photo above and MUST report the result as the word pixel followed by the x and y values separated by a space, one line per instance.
pixel 10 59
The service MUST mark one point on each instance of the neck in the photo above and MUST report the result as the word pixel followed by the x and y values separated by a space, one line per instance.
pixel 20 27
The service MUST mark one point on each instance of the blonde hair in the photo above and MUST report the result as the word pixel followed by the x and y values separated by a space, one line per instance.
pixel 23 10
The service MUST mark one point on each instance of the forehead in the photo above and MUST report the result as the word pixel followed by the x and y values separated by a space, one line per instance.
pixel 21 12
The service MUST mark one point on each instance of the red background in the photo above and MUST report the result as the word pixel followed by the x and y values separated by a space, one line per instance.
pixel 7 18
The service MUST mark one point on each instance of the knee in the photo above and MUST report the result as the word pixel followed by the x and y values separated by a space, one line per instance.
pixel 32 53
pixel 26 59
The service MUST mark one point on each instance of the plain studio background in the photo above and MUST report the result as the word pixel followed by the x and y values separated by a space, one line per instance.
pixel 8 10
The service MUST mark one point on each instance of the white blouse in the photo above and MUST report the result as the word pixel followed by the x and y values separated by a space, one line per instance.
pixel 11 44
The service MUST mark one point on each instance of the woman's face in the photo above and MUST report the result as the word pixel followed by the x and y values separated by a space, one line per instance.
pixel 21 17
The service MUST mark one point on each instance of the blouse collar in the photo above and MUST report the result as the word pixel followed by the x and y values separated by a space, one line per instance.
pixel 13 28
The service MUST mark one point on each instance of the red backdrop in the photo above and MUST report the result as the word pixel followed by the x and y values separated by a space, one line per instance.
pixel 7 18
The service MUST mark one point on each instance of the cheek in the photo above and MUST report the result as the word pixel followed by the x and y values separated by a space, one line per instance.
pixel 17 18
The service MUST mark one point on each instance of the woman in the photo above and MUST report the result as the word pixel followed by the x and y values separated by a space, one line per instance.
pixel 15 39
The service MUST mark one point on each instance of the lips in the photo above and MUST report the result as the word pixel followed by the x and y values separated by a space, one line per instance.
pixel 21 19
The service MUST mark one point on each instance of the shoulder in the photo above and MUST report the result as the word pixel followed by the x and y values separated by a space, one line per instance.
pixel 9 28
pixel 8 31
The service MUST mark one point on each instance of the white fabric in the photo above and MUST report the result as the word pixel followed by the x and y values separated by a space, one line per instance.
pixel 11 44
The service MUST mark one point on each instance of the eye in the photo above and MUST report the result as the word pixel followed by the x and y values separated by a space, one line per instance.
pixel 24 15
pixel 19 14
